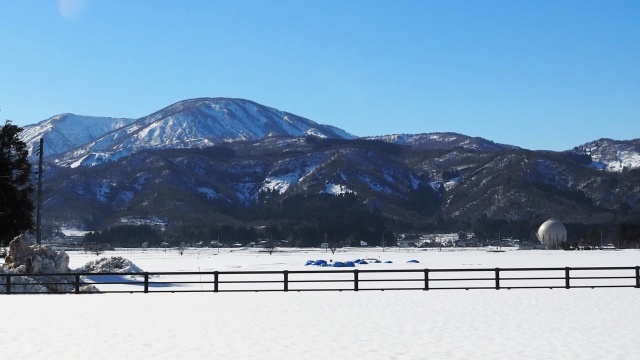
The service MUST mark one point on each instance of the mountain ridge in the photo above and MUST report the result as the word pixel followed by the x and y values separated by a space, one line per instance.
pixel 77 140
pixel 177 164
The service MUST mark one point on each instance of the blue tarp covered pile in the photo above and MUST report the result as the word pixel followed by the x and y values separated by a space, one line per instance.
pixel 317 263
pixel 350 263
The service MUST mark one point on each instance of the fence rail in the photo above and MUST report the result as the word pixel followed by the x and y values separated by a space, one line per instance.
pixel 327 279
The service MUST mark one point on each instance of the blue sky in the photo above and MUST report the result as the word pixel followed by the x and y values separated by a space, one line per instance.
pixel 537 74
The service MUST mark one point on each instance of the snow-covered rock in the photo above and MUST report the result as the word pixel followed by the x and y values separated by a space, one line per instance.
pixel 26 261
pixel 115 264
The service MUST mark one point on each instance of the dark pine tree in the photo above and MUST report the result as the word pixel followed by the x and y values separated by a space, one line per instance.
pixel 16 188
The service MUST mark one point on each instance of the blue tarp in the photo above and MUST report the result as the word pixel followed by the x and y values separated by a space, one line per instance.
pixel 349 264
pixel 388 262
pixel 338 264
pixel 309 262
pixel 413 261
pixel 320 262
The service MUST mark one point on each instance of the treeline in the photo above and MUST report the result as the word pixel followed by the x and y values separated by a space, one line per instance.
pixel 621 235
pixel 300 220
pixel 126 236
pixel 227 235
pixel 627 235
pixel 377 145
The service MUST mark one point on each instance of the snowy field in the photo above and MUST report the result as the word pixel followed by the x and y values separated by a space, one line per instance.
pixel 445 324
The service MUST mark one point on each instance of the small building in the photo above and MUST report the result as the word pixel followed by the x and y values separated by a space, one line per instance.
pixel 406 243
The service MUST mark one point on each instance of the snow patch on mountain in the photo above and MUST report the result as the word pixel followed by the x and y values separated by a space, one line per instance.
pixel 208 192
pixel 612 155
pixel 279 184
pixel 451 183
pixel 620 161
pixel 102 192
pixel 374 185
pixel 336 189
pixel 140 180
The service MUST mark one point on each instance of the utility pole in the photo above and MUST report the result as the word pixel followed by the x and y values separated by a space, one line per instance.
pixel 383 241
pixel 39 202
pixel 326 243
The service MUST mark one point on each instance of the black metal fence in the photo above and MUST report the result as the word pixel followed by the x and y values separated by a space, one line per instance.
pixel 326 279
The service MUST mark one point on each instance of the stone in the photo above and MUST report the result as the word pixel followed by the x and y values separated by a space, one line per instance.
pixel 19 253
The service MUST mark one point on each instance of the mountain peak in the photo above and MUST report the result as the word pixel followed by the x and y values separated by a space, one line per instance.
pixel 199 122
pixel 65 132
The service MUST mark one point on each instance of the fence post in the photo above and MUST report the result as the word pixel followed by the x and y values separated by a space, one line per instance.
pixel 355 280
pixel 215 281
pixel 497 278
pixel 567 278
pixel 426 279
pixel 77 283
pixel 7 278
pixel 146 282
pixel 286 280
pixel 637 276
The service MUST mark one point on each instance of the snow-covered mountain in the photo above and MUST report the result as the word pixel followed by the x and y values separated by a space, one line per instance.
pixel 187 124
pixel 443 140
pixel 612 155
pixel 315 180
pixel 66 132
pixel 237 161
pixel 73 140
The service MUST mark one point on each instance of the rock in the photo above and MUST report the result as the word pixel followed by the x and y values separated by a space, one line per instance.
pixel 24 260
pixel 19 253
pixel 35 259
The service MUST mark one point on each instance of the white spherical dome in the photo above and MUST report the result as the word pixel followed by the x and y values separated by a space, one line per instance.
pixel 552 233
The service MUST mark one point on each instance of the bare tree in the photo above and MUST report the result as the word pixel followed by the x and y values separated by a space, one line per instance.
pixel 270 245
pixel 333 244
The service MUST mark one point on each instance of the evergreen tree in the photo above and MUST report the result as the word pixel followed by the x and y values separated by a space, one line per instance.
pixel 16 189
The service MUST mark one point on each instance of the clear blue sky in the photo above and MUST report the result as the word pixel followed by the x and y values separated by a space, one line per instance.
pixel 537 74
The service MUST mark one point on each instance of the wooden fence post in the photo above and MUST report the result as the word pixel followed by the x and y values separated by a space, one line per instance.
pixel 497 278
pixel 77 284
pixel 215 281
pixel 146 282
pixel 286 280
pixel 426 279
pixel 637 276
pixel 567 278
pixel 355 280
pixel 7 284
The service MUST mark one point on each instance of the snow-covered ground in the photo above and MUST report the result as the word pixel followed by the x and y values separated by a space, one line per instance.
pixel 451 324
